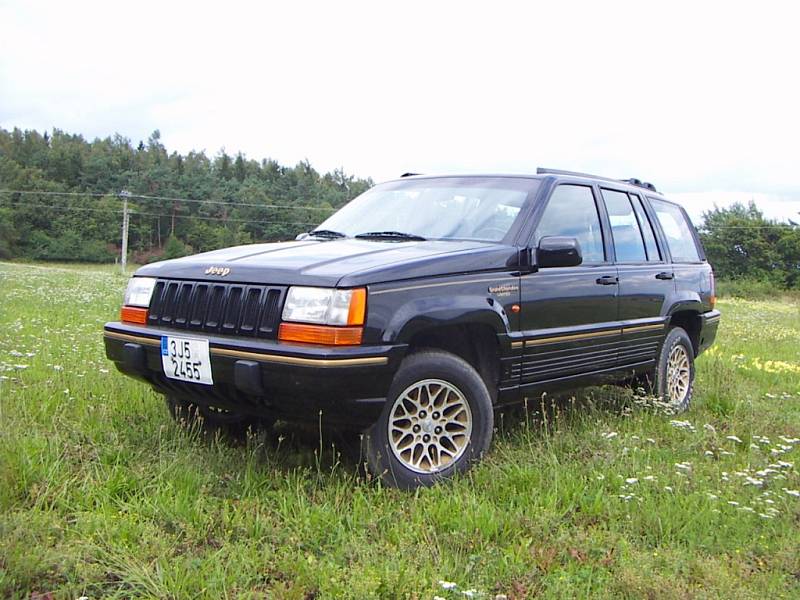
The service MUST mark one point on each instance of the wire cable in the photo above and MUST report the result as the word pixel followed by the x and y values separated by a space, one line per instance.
pixel 171 199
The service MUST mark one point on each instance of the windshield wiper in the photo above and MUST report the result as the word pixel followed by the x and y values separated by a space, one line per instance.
pixel 390 235
pixel 327 233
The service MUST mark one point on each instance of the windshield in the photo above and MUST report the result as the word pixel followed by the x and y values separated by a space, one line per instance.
pixel 477 208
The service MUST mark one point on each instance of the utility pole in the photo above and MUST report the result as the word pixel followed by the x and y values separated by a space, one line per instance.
pixel 124 195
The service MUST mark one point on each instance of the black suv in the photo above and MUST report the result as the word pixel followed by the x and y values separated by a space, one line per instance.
pixel 425 305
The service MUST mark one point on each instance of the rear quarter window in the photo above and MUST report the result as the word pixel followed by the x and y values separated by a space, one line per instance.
pixel 677 230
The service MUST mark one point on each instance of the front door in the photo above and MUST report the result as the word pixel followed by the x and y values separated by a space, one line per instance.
pixel 568 317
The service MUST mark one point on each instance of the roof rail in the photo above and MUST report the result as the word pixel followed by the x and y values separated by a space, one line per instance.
pixel 632 180
pixel 410 174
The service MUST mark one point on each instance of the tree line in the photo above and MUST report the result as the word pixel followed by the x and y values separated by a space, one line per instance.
pixel 182 203
pixel 741 244
pixel 179 203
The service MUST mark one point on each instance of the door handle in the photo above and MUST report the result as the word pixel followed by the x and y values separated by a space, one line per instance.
pixel 665 275
pixel 607 280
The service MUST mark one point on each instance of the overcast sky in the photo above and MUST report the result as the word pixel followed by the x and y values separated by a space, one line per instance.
pixel 701 98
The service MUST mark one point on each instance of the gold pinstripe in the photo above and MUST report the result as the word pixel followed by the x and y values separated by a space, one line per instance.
pixel 273 358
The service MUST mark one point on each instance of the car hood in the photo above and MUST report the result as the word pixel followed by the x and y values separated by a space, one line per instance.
pixel 346 262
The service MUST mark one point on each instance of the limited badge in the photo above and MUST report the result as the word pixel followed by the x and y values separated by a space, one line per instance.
pixel 505 289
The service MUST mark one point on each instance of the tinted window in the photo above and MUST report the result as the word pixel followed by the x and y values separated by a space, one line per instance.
pixel 572 212
pixel 628 242
pixel 677 231
pixel 647 229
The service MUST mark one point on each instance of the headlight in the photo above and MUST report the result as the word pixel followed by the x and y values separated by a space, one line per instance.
pixel 139 291
pixel 325 306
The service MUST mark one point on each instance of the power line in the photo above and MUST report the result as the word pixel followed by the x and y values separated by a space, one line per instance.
pixel 169 216
pixel 170 199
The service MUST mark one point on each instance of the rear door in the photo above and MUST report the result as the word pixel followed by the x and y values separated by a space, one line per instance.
pixel 568 313
pixel 646 280
pixel 692 274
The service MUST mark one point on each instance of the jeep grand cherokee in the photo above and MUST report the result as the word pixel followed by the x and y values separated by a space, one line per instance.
pixel 425 305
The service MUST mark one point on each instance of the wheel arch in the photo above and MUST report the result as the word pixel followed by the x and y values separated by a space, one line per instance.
pixel 476 342
pixel 690 321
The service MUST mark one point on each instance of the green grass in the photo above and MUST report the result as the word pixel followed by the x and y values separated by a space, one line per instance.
pixel 102 495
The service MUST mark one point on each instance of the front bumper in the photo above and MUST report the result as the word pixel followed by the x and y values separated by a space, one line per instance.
pixel 344 385
pixel 709 323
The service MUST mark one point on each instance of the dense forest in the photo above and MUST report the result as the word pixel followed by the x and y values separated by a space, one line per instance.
pixel 60 198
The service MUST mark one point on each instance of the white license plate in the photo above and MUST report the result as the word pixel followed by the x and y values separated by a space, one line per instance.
pixel 186 359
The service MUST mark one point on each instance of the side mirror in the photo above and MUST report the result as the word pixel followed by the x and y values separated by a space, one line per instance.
pixel 558 251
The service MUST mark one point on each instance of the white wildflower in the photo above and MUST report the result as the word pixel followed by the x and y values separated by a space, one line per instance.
pixel 682 425
pixel 609 435
pixel 795 493
pixel 631 480
pixel 668 488
pixel 733 503
pixel 709 427
pixel 448 585
pixel 733 438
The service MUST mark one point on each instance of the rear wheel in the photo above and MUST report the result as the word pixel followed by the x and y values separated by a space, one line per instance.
pixel 672 381
pixel 437 421
pixel 212 420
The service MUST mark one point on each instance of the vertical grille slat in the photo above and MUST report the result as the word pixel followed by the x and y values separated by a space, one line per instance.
pixel 233 309
pixel 251 310
pixel 183 304
pixel 199 306
pixel 168 307
pixel 216 304
pixel 154 313
pixel 215 307
pixel 269 314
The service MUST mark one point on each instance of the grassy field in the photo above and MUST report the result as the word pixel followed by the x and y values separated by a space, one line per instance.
pixel 602 495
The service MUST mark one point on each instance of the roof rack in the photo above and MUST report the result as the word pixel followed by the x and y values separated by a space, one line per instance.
pixel 633 181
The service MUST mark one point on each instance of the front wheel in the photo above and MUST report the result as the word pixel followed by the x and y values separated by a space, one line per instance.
pixel 438 420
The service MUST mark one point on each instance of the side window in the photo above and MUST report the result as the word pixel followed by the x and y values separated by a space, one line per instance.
pixel 677 230
pixel 625 231
pixel 572 212
pixel 647 229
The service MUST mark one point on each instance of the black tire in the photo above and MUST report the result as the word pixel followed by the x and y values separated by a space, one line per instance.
pixel 458 381
pixel 658 381
pixel 212 421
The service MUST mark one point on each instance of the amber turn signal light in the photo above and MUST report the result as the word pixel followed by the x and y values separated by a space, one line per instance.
pixel 133 314
pixel 320 334
pixel 358 307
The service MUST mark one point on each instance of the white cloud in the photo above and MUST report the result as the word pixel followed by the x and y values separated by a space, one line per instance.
pixel 699 98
